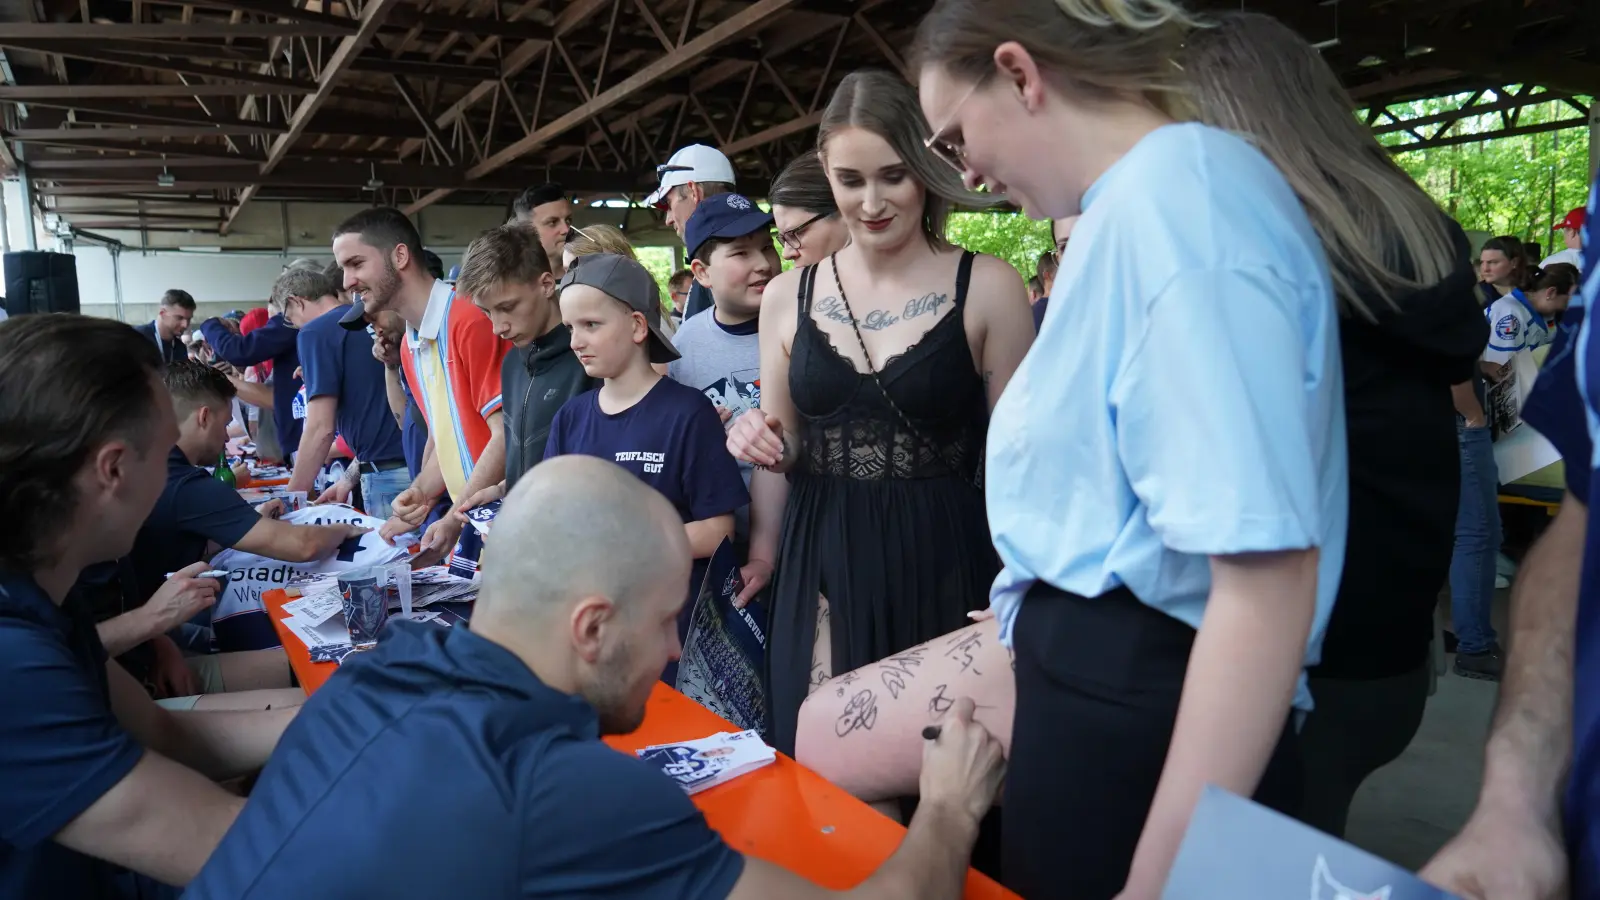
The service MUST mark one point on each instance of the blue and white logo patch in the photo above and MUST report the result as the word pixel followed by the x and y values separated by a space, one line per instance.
pixel 1509 328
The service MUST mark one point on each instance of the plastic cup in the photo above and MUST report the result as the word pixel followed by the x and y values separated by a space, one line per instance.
pixel 399 573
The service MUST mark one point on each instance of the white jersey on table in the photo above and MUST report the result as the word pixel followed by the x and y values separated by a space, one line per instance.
pixel 249 575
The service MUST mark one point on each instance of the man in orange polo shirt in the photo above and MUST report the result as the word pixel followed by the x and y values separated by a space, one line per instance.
pixel 452 366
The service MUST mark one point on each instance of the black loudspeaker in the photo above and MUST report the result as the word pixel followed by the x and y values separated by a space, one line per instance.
pixel 38 281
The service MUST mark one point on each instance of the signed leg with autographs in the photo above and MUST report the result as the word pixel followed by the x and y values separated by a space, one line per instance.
pixel 822 647
pixel 863 729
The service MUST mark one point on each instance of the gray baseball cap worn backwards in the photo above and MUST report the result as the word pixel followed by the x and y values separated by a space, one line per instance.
pixel 625 280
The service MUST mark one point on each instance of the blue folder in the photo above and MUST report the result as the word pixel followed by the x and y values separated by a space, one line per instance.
pixel 1235 848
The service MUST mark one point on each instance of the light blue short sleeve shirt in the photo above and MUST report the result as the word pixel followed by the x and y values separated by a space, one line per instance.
pixel 1184 398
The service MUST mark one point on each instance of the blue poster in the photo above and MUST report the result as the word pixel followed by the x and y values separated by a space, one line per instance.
pixel 724 647
pixel 1238 848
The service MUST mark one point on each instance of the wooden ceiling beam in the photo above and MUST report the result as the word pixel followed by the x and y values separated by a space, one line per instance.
pixel 1542 128
pixel 135 132
pixel 373 15
pixel 174 151
pixel 125 91
pixel 739 24
pixel 140 187
pixel 128 31
pixel 56 165
pixel 571 18
pixel 160 113
pixel 173 49
pixel 94 53
pixel 417 65
pixel 1456 115
pixel 483 26
pixel 342 175
pixel 772 133
pixel 124 225
pixel 281 9
pixel 137 214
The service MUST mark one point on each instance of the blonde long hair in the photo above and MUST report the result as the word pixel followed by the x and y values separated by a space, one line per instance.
pixel 1107 47
pixel 592 239
pixel 1254 75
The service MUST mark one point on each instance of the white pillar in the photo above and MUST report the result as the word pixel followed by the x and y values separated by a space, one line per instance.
pixel 28 224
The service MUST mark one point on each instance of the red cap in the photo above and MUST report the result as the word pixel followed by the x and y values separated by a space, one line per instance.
pixel 1574 220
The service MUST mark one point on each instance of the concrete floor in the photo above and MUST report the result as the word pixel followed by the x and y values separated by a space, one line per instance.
pixel 1407 810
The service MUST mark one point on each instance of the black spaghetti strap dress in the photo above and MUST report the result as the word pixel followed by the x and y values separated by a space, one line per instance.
pixel 884 520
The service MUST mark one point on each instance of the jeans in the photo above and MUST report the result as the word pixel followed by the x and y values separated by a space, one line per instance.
pixel 378 490
pixel 1472 567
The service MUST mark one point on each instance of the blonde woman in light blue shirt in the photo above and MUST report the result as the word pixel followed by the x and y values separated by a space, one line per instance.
pixel 1166 477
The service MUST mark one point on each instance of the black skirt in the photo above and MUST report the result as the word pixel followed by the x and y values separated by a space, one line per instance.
pixel 899 561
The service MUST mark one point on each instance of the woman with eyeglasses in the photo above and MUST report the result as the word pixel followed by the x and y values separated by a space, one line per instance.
pixel 879 364
pixel 1167 485
pixel 804 212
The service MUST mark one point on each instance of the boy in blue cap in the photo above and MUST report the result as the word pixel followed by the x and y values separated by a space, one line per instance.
pixel 732 256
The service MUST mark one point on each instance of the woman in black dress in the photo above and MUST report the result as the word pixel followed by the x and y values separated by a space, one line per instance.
pixel 879 366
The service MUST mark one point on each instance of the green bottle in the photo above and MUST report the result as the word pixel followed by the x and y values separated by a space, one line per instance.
pixel 224 472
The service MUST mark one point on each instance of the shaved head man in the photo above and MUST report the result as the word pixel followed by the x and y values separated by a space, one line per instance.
pixel 589 602
pixel 490 736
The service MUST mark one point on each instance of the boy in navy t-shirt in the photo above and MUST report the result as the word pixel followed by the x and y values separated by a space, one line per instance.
pixel 665 433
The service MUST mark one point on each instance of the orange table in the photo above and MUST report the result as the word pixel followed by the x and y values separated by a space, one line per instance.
pixel 783 813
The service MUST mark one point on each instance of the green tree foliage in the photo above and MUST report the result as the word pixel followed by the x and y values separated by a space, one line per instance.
pixel 1011 236
pixel 1517 185
pixel 658 262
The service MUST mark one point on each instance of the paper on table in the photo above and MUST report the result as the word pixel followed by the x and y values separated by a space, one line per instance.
pixel 700 764
pixel 315 607
pixel 332 631
pixel 428 586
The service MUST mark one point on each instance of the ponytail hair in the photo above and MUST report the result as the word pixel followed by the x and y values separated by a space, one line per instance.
pixel 1561 276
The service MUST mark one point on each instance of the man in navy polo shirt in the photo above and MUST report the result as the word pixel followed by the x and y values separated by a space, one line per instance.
pixel 483 744
pixel 95 779
pixel 346 393
pixel 273 341
pixel 1542 759
pixel 196 509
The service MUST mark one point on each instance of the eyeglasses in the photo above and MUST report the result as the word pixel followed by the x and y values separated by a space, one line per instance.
pixel 954 154
pixel 792 238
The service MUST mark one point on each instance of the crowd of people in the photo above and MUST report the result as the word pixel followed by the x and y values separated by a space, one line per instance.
pixel 1174 512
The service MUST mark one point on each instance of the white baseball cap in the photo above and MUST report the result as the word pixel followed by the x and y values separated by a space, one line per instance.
pixel 697 163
